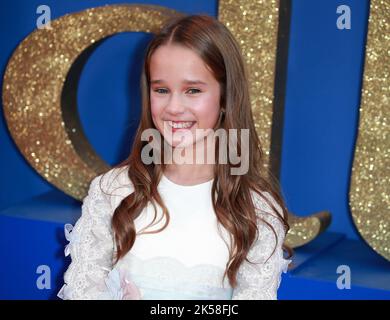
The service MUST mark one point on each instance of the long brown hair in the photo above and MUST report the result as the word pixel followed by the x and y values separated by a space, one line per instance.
pixel 231 194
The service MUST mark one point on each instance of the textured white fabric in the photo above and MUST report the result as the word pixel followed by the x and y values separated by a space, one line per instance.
pixel 261 281
pixel 184 261
pixel 91 247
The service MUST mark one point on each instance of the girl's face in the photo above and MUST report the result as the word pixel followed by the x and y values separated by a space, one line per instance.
pixel 184 94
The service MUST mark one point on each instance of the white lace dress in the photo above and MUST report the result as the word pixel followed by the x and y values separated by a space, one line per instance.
pixel 184 261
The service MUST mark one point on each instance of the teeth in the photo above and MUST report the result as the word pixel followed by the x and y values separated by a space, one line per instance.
pixel 180 125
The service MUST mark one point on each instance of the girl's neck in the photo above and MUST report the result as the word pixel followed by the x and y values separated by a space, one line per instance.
pixel 193 172
pixel 189 174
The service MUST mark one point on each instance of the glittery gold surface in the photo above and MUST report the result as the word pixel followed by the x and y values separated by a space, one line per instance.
pixel 370 183
pixel 33 85
pixel 255 26
pixel 305 229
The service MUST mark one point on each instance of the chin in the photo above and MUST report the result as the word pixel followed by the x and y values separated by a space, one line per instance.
pixel 179 145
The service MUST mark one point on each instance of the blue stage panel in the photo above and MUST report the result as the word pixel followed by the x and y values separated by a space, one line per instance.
pixel 32 235
pixel 314 271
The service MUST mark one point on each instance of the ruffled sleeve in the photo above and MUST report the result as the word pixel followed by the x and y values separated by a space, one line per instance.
pixel 91 247
pixel 261 281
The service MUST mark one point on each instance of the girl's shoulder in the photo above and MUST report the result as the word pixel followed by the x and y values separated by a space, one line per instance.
pixel 267 214
pixel 115 184
pixel 262 202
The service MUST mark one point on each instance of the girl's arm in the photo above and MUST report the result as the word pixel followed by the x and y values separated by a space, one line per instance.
pixel 91 248
pixel 261 281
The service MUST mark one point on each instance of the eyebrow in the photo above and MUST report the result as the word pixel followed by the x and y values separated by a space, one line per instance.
pixel 186 81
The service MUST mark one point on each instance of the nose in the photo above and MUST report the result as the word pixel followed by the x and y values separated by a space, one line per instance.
pixel 175 104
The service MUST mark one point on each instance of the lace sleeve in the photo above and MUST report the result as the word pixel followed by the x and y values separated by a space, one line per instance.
pixel 260 281
pixel 91 247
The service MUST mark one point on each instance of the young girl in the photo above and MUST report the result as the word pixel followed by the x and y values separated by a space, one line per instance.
pixel 172 230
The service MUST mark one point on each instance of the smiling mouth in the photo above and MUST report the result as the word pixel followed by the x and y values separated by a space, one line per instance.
pixel 181 124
